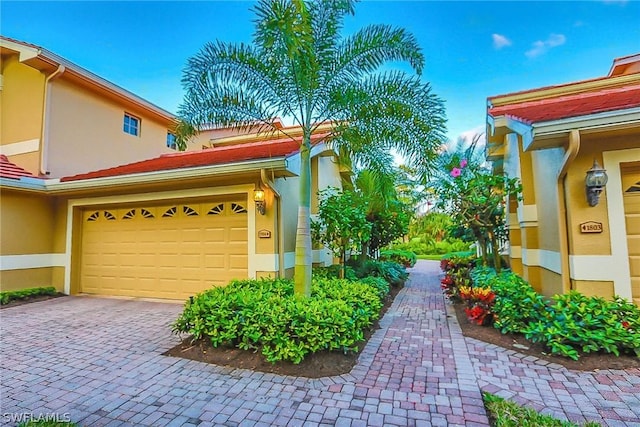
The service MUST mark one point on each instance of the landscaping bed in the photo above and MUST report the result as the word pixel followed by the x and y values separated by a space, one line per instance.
pixel 317 365
pixel 26 296
pixel 573 330
pixel 587 362
pixel 264 326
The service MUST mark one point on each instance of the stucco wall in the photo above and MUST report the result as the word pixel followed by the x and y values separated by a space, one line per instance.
pixel 26 224
pixel 85 132
pixel 21 106
pixel 546 164
pixel 578 210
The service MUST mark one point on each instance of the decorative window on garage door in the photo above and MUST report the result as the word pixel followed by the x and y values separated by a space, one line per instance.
pixel 634 188
pixel 238 208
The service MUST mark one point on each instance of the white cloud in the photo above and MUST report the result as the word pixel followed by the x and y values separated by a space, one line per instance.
pixel 500 41
pixel 477 132
pixel 541 47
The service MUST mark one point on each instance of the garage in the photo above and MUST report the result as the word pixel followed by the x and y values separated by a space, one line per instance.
pixel 172 251
pixel 631 199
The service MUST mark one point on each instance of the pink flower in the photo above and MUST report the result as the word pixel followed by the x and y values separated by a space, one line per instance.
pixel 455 172
pixel 463 163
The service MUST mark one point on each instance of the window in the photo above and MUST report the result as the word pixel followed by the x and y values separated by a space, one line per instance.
pixel 131 125
pixel 171 140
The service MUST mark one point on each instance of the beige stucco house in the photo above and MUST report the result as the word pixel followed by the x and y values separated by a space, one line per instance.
pixel 90 207
pixel 563 236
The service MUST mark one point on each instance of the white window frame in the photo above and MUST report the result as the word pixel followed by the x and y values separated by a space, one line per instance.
pixel 127 126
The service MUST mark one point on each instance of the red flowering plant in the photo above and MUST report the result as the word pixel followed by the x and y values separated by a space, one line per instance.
pixel 479 304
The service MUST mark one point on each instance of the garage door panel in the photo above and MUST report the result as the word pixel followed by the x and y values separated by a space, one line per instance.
pixel 238 262
pixel 631 184
pixel 214 261
pixel 214 235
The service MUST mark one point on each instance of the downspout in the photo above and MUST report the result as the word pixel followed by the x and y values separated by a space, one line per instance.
pixel 45 123
pixel 280 241
pixel 569 157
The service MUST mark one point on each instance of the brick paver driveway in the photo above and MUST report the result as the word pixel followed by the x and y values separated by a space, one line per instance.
pixel 99 361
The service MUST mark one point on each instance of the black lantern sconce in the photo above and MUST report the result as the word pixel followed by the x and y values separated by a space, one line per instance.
pixel 258 197
pixel 595 181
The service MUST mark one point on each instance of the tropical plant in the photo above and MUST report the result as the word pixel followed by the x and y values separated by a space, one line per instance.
pixel 342 224
pixel 476 199
pixel 388 215
pixel 300 67
pixel 264 315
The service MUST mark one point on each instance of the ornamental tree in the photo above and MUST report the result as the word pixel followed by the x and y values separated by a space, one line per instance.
pixel 300 67
pixel 476 200
pixel 342 225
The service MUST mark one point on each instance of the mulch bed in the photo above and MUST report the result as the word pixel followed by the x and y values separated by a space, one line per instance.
pixel 29 300
pixel 587 362
pixel 317 365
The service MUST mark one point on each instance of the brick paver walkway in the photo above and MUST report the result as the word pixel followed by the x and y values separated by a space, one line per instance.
pixel 99 361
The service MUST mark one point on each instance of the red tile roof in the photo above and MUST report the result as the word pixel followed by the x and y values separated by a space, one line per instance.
pixel 571 105
pixel 11 170
pixel 208 157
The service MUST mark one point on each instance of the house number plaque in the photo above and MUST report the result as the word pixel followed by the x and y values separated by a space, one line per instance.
pixel 264 234
pixel 591 227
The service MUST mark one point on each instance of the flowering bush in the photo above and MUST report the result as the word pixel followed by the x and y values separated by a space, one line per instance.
pixel 476 199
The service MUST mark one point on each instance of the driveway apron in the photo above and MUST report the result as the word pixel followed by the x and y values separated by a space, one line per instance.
pixel 98 362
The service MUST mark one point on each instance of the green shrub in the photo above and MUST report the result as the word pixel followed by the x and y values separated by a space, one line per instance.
pixel 394 273
pixel 422 246
pixel 517 304
pixel 265 315
pixel 577 324
pixel 378 283
pixel 333 272
pixel 406 258
pixel 573 324
pixel 8 296
pixel 47 423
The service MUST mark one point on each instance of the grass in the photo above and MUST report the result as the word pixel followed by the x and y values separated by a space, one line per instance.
pixel 431 257
pixel 503 413
pixel 47 423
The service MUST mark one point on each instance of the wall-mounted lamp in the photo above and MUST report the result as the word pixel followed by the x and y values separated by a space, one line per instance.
pixel 595 181
pixel 258 197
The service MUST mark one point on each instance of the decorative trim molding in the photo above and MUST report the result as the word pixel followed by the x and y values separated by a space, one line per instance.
pixel 269 262
pixel 546 259
pixel 23 262
pixel 22 147
pixel 594 267
pixel 528 215
pixel 515 251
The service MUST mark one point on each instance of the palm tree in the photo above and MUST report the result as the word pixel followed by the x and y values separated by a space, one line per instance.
pixel 301 68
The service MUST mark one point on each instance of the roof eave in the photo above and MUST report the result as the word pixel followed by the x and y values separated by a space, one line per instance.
pixel 55 186
pixel 31 55
pixel 553 133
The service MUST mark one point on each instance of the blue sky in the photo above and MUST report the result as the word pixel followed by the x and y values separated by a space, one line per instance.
pixel 473 49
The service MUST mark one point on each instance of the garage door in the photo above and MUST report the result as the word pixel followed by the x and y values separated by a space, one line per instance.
pixel 170 251
pixel 631 186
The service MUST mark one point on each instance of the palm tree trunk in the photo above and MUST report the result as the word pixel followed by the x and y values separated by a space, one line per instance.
pixel 304 255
